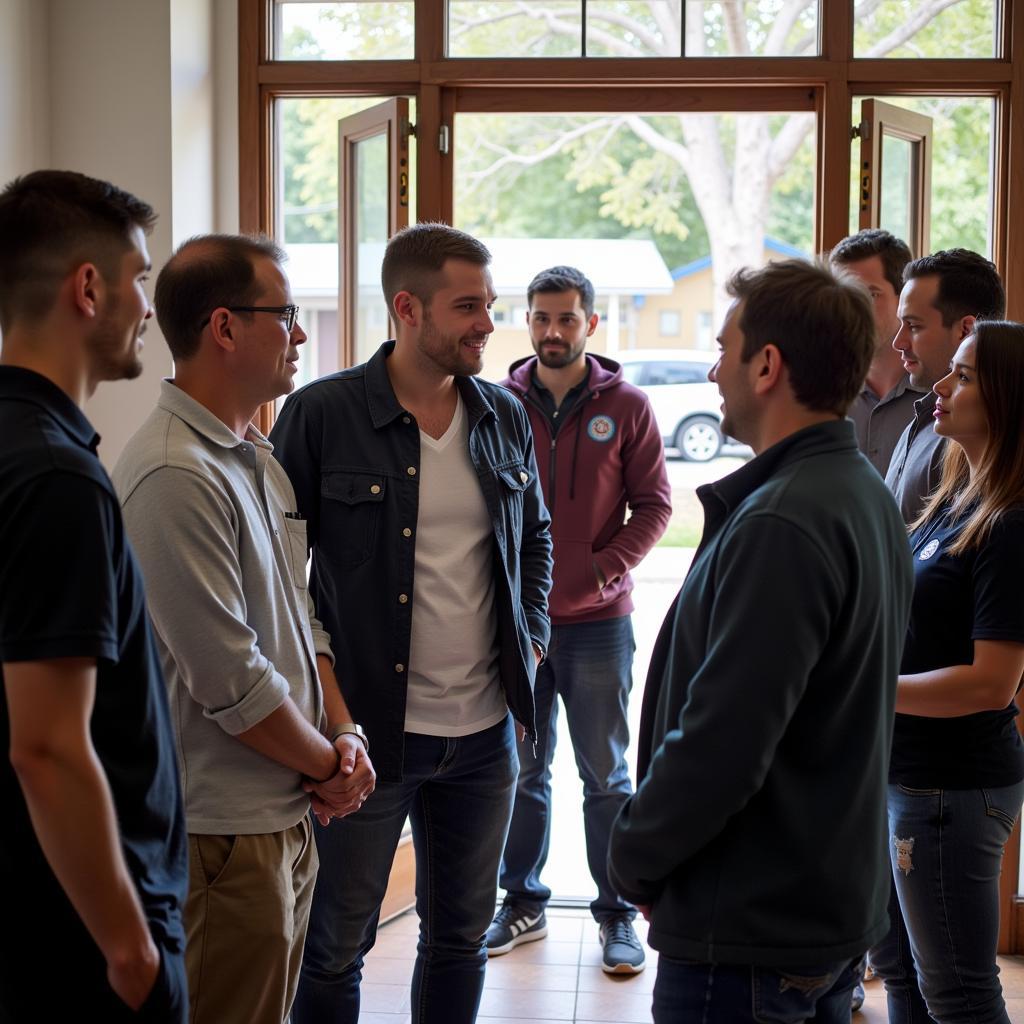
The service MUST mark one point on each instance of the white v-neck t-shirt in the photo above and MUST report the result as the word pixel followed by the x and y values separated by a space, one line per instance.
pixel 454 684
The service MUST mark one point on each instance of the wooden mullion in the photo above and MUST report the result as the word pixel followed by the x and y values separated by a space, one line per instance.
pixel 431 30
pixel 318 74
pixel 558 72
pixel 832 205
pixel 249 124
pixel 428 155
pixel 921 72
pixel 837 30
pixel 640 99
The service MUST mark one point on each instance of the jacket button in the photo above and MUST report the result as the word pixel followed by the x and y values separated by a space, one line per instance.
pixel 399 667
pixel 523 477
pixel 375 489
pixel 405 419
pixel 403 598
pixel 411 471
pixel 407 532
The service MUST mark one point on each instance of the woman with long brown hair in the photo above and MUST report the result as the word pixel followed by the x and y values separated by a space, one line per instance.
pixel 955 777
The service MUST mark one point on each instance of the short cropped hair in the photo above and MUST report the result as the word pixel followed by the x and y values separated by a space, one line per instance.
pixel 204 273
pixel 415 256
pixel 52 222
pixel 562 279
pixel 822 324
pixel 894 253
pixel 969 284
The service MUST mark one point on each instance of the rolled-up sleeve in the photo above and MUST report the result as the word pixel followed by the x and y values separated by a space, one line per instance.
pixel 185 537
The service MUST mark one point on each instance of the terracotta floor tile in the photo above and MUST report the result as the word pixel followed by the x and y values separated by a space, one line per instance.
pixel 593 979
pixel 545 952
pixel 378 998
pixel 388 970
pixel 628 1006
pixel 531 1003
pixel 503 973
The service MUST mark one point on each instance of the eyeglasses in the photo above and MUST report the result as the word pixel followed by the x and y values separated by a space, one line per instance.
pixel 289 314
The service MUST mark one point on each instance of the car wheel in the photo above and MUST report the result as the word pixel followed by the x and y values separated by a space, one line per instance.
pixel 699 439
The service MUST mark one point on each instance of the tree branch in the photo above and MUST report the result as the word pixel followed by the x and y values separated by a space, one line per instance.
pixel 912 25
pixel 783 25
pixel 644 130
pixel 735 27
pixel 787 142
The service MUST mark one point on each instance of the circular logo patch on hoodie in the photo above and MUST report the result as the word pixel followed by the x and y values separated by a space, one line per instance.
pixel 601 428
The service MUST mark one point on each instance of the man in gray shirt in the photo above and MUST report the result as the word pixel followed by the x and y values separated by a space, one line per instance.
pixel 885 405
pixel 942 297
pixel 259 720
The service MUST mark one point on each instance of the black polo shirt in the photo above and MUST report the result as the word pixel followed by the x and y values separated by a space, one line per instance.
pixel 71 588
pixel 959 599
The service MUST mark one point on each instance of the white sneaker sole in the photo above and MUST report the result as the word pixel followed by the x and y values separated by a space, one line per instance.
pixel 623 968
pixel 531 936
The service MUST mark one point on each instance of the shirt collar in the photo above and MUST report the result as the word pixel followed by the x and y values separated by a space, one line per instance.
pixel 21 384
pixel 721 498
pixel 179 403
pixel 384 406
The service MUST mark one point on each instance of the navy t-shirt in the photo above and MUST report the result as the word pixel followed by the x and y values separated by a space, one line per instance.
pixel 959 599
pixel 71 588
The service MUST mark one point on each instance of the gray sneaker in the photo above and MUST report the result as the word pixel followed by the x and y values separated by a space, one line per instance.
pixel 512 926
pixel 623 953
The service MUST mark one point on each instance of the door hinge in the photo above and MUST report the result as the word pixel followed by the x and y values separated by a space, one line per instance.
pixel 443 139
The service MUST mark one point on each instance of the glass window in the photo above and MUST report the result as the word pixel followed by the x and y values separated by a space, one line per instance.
pixel 632 28
pixel 357 30
pixel 761 28
pixel 626 28
pixel 307 220
pixel 631 372
pixel 670 323
pixel 960 208
pixel 676 373
pixel 609 194
pixel 515 28
pixel 905 28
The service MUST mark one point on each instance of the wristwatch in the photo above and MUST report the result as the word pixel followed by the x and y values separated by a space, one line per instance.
pixel 352 729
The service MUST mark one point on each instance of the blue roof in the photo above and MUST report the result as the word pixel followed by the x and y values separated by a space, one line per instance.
pixel 695 266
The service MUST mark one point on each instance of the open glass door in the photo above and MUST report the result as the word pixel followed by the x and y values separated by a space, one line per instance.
pixel 373 203
pixel 896 172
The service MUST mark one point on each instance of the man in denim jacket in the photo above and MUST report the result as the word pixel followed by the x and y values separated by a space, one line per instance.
pixel 431 569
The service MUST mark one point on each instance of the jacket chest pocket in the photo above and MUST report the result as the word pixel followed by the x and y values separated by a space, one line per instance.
pixel 350 505
pixel 512 483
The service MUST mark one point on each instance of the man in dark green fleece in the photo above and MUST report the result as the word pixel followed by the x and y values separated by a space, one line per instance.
pixel 756 842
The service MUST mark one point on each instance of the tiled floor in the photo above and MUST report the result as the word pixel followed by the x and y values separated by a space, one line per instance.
pixel 560 979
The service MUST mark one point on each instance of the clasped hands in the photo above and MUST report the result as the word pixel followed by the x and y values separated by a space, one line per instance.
pixel 347 789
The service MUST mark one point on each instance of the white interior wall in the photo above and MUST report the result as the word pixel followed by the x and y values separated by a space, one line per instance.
pixel 144 94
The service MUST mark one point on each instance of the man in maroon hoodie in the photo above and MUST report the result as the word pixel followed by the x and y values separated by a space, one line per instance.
pixel 598 451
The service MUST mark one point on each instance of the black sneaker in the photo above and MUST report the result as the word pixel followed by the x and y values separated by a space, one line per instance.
pixel 623 953
pixel 513 926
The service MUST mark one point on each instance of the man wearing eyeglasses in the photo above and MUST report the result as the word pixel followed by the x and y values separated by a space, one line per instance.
pixel 262 728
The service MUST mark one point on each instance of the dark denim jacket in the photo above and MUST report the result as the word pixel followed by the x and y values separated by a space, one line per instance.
pixel 353 455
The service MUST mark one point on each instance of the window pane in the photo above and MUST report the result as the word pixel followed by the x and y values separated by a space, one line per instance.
pixel 344 31
pixel 961 191
pixel 649 207
pixel 897 185
pixel 515 28
pixel 306 219
pixel 764 28
pixel 903 28
pixel 627 28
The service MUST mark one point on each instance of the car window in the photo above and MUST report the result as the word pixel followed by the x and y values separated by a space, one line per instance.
pixel 676 373
pixel 631 372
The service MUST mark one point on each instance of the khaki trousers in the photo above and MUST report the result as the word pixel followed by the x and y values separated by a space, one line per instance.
pixel 245 923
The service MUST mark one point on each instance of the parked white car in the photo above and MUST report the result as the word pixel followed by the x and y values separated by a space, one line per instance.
pixel 686 405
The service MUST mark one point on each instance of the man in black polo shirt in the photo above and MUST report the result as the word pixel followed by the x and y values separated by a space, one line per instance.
pixel 93 851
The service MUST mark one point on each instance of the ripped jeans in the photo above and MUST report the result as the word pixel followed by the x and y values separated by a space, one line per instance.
pixel 691 992
pixel 946 848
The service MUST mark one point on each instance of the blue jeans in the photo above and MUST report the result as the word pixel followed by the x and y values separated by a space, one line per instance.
pixel 946 848
pixel 589 664
pixel 458 793
pixel 689 992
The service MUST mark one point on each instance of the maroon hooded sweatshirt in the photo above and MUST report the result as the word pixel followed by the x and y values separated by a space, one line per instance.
pixel 606 456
